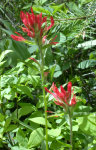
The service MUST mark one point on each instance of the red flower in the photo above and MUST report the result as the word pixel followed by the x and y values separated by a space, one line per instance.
pixel 34 26
pixel 18 38
pixel 63 98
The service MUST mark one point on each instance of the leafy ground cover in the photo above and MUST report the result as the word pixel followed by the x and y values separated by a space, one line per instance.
pixel 36 112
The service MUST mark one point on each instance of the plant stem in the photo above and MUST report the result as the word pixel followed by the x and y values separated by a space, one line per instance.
pixel 71 134
pixel 45 101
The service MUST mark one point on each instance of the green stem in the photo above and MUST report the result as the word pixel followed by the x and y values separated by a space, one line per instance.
pixel 71 134
pixel 45 101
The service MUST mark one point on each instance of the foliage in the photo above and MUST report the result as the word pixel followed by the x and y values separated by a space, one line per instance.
pixel 72 59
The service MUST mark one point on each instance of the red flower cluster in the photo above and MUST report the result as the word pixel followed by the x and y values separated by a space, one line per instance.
pixel 34 27
pixel 63 98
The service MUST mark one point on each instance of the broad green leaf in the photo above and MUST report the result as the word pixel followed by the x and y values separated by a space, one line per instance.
pixel 1 117
pixel 26 110
pixel 54 132
pixel 11 127
pixel 41 9
pixel 25 125
pixel 43 1
pixel 20 51
pixel 24 90
pixel 27 6
pixel 10 105
pixel 87 44
pixel 3 54
pixel 66 66
pixel 57 74
pixel 58 145
pixel 20 148
pixel 82 108
pixel 32 49
pixel 81 111
pixel 35 138
pixel 86 64
pixel 2 63
pixel 39 120
pixel 34 80
pixel 85 1
pixel 57 8
pixel 75 128
pixel 57 68
pixel 21 138
pixel 49 57
pixel 7 123
pixel 15 148
pixel 88 124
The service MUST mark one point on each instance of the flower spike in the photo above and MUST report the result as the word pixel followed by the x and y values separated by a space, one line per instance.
pixel 34 27
pixel 63 98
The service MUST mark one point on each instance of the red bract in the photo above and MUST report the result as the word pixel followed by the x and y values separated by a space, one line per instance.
pixel 63 98
pixel 18 38
pixel 34 26
pixel 34 60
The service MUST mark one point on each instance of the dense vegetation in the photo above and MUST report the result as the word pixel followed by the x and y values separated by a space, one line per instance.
pixel 73 58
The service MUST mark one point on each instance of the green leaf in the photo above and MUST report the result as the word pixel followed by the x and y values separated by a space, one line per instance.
pixel 3 54
pixel 2 63
pixel 57 74
pixel 9 105
pixel 66 66
pixel 75 9
pixel 49 57
pixel 35 138
pixel 58 71
pixel 58 145
pixel 57 68
pixel 77 89
pixel 54 132
pixel 24 90
pixel 41 9
pixel 88 124
pixel 57 8
pixel 34 80
pixel 26 110
pixel 20 148
pixel 85 1
pixel 40 120
pixel 1 117
pixel 52 69
pixel 21 138
pixel 86 64
pixel 75 128
pixel 11 128
pixel 32 49
pixel 81 111
pixel 7 123
pixel 87 44
pixel 61 39
pixel 27 6
pixel 9 29
pixel 20 51
pixel 42 1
